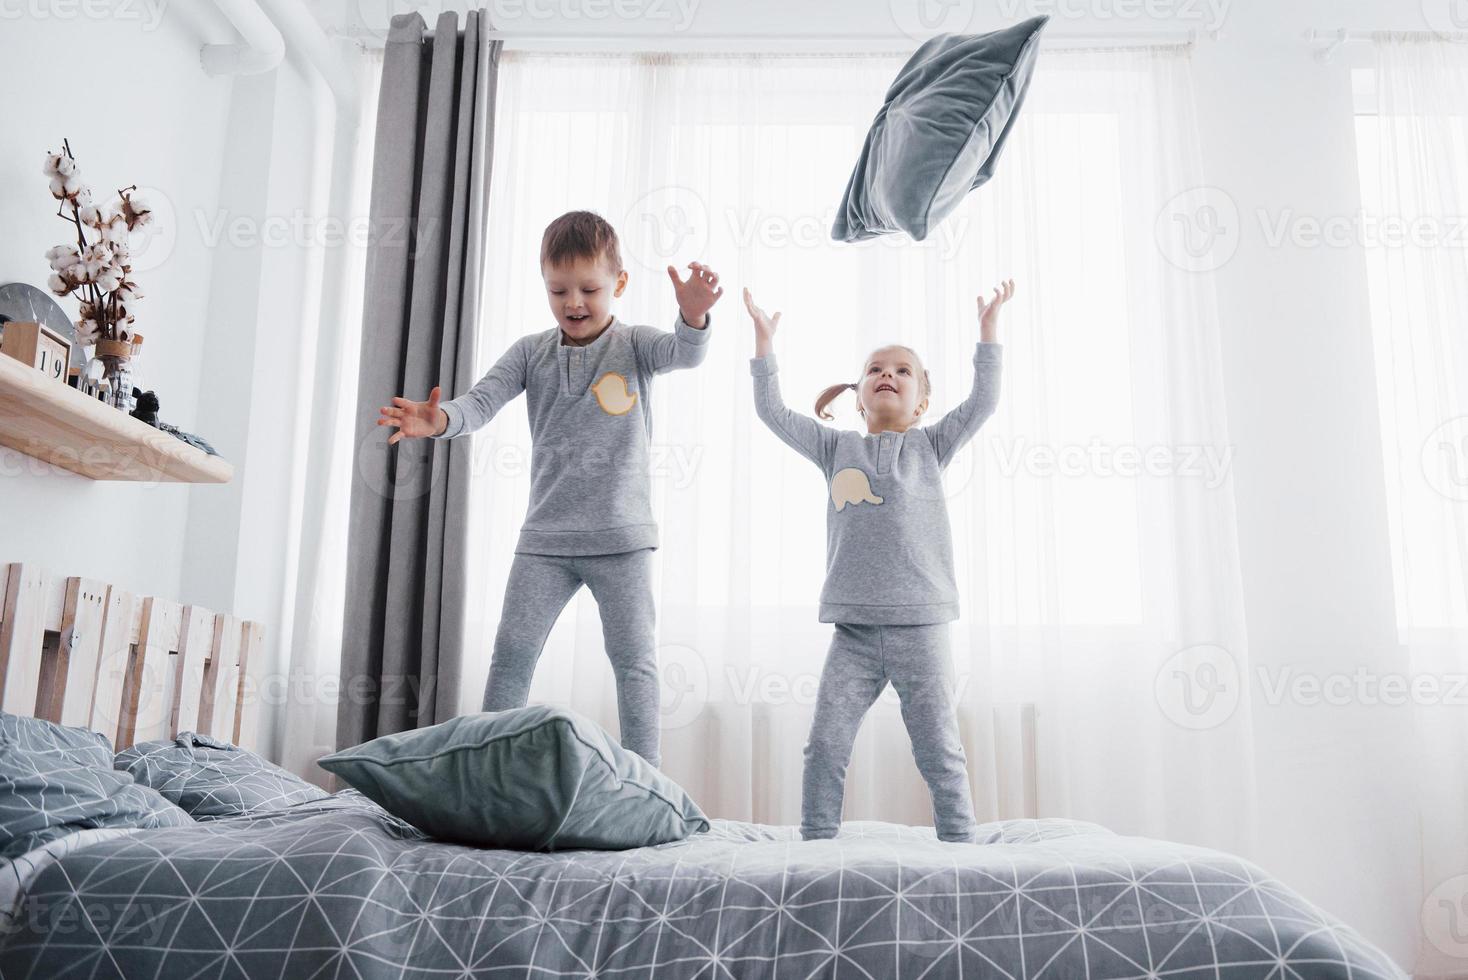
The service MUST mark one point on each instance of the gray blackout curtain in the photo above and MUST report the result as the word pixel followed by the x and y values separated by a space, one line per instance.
pixel 403 635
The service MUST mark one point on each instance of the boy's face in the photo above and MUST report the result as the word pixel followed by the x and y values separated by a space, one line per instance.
pixel 580 292
pixel 891 389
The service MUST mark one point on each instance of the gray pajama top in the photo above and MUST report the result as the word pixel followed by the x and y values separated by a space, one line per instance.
pixel 590 430
pixel 889 547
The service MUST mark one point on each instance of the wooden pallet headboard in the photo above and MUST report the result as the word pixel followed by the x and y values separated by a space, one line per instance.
pixel 81 652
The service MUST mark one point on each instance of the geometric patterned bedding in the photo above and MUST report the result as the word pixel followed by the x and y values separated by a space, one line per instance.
pixel 340 889
pixel 209 779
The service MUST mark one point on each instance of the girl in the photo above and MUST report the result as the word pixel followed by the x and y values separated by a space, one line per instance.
pixel 889 562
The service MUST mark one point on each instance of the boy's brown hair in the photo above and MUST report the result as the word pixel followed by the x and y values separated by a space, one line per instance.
pixel 580 235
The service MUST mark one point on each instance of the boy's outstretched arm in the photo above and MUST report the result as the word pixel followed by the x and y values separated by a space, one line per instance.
pixel 687 344
pixel 953 431
pixel 444 420
pixel 814 441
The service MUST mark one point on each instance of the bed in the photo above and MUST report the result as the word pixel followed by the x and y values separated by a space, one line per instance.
pixel 338 887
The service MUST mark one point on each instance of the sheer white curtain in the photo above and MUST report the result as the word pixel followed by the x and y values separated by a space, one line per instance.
pixel 1414 168
pixel 1092 515
pixel 315 642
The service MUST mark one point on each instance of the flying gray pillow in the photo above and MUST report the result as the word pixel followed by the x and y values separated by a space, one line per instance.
pixel 939 132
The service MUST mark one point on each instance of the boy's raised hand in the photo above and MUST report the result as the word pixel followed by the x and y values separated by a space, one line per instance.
pixel 697 294
pixel 989 312
pixel 414 420
pixel 764 326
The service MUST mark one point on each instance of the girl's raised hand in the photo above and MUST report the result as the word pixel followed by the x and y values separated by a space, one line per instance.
pixel 764 325
pixel 414 420
pixel 989 312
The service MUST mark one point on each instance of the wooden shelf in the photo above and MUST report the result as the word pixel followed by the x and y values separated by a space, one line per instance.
pixel 54 422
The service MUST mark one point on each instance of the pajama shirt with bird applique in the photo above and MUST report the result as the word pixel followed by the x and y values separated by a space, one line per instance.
pixel 889 590
pixel 589 520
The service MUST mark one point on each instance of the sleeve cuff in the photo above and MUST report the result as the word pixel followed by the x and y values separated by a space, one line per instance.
pixel 455 422
pixel 763 367
pixel 690 334
pixel 985 353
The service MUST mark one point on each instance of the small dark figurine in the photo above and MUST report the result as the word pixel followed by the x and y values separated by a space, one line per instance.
pixel 147 407
pixel 147 411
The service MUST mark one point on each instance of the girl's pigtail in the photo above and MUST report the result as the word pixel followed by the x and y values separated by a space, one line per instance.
pixel 827 397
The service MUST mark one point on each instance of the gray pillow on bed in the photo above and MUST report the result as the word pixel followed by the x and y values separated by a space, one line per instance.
pixel 210 778
pixel 939 132
pixel 55 781
pixel 537 778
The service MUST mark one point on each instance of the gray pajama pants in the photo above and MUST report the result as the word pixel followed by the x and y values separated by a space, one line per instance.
pixel 859 665
pixel 539 588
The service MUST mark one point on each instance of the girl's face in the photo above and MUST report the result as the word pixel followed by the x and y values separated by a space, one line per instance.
pixel 891 390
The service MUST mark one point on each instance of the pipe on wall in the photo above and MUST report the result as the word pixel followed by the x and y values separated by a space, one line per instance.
pixel 261 49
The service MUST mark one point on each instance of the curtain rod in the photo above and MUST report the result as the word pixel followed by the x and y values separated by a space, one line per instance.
pixel 1332 41
pixel 539 41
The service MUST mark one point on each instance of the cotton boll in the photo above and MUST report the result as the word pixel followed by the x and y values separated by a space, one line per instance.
pixel 135 208
pixel 62 257
pixel 87 309
pixel 58 285
pixel 59 165
pixel 58 187
pixel 90 215
pixel 114 229
pixel 87 332
pixel 109 279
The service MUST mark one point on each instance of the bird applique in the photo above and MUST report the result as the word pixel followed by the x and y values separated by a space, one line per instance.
pixel 851 486
pixel 612 394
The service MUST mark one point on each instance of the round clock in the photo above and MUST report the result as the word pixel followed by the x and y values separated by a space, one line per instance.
pixel 21 301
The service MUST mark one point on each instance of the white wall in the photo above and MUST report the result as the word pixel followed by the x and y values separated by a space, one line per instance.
pixel 1277 136
pixel 226 291
pixel 165 131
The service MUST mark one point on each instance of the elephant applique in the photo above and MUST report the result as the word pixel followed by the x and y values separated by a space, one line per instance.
pixel 612 394
pixel 851 486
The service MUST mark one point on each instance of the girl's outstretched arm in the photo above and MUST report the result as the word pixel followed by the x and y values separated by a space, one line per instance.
pixel 805 435
pixel 953 431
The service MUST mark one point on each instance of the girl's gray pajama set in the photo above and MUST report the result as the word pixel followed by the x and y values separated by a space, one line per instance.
pixel 890 591
pixel 590 516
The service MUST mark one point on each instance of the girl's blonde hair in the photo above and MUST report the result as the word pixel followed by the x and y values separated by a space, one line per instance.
pixel 830 394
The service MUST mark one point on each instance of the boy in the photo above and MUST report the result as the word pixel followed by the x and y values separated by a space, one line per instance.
pixel 587 382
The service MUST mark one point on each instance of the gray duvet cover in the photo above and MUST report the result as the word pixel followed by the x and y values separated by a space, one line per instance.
pixel 340 889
